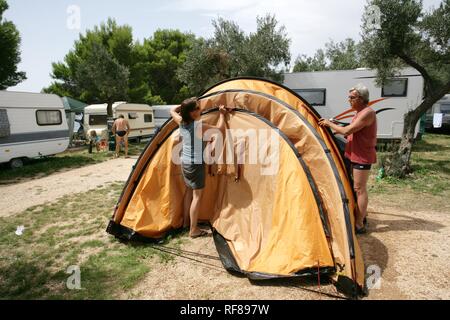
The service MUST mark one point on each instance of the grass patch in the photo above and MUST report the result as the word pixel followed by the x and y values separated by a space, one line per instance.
pixel 428 186
pixel 63 234
pixel 38 168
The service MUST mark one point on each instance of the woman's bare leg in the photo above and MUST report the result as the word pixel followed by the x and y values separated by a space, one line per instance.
pixel 360 178
pixel 187 200
pixel 195 206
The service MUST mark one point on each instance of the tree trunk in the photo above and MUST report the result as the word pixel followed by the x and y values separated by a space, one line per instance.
pixel 109 109
pixel 397 164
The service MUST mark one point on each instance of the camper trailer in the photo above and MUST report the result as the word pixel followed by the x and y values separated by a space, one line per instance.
pixel 438 117
pixel 327 92
pixel 31 125
pixel 139 116
pixel 162 114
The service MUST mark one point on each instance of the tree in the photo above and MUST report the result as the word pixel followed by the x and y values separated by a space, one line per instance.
pixel 303 63
pixel 343 55
pixel 9 52
pixel 120 50
pixel 151 65
pixel 232 53
pixel 103 76
pixel 406 35
pixel 165 52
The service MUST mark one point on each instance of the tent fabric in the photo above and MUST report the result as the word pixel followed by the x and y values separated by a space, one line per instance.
pixel 293 222
pixel 73 105
pixel 298 103
pixel 313 150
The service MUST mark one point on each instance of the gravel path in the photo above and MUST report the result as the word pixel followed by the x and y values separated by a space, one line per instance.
pixel 20 196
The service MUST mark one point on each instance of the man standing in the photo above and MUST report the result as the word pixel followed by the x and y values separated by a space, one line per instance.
pixel 361 137
pixel 121 129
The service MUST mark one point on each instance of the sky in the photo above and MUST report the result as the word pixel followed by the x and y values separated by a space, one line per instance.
pixel 49 28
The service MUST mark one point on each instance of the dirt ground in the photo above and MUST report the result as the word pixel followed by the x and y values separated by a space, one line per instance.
pixel 20 196
pixel 409 247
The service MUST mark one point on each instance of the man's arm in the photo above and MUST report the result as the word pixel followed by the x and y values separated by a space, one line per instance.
pixel 366 120
pixel 113 128
pixel 175 113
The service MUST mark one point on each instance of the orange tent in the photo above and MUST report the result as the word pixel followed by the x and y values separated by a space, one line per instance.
pixel 289 213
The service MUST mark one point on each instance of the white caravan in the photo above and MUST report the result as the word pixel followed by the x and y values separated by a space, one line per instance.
pixel 139 116
pixel 162 114
pixel 439 114
pixel 327 92
pixel 31 125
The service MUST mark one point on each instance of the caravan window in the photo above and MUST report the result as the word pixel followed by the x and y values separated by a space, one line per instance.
pixel 133 115
pixel 4 124
pixel 48 117
pixel 315 97
pixel 445 108
pixel 395 88
pixel 98 119
pixel 148 118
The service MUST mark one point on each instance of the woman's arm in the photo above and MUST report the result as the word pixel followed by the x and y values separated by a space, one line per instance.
pixel 366 120
pixel 175 113
pixel 220 125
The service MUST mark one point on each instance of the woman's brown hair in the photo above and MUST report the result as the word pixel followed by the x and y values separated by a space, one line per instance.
pixel 187 106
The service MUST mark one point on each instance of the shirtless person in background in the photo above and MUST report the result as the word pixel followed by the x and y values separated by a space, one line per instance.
pixel 121 129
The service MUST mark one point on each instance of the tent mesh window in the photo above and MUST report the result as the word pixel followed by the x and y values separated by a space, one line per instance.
pixel 4 124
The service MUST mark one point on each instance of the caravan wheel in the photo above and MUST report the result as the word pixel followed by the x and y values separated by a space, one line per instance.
pixel 16 163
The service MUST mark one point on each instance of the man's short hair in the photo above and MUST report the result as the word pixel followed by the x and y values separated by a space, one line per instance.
pixel 121 116
pixel 362 90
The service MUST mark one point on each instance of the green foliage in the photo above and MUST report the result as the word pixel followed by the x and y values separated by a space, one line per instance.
pixel 139 73
pixel 318 62
pixel 409 36
pixel 165 53
pixel 406 35
pixel 231 53
pixel 431 174
pixel 9 52
pixel 101 76
pixel 343 55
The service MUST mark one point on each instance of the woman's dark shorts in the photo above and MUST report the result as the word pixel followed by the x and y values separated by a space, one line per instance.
pixel 360 166
pixel 194 175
